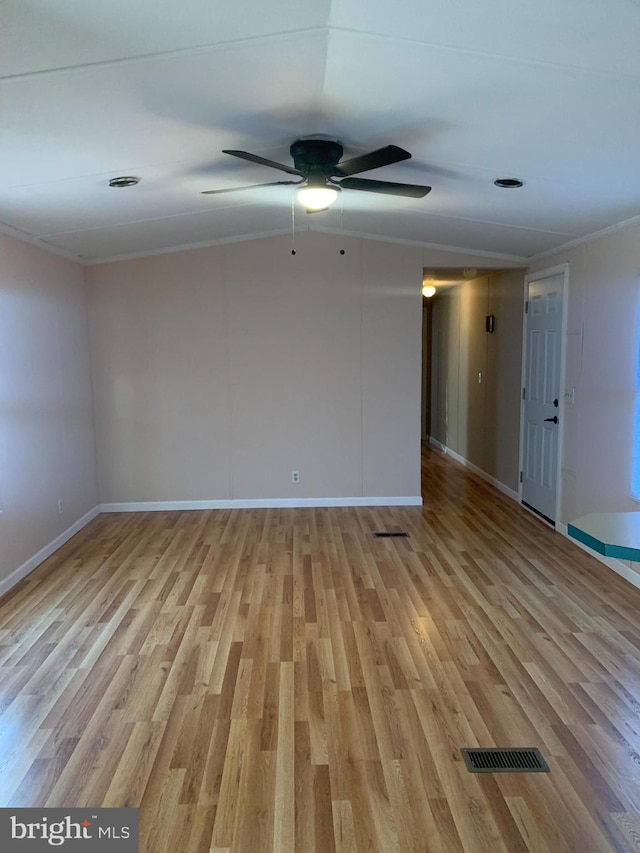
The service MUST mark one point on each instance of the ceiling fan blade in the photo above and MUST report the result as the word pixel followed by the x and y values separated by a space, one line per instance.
pixel 252 187
pixel 373 160
pixel 385 187
pixel 253 158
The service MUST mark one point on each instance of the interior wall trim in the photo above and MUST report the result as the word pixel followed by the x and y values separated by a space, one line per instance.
pixel 32 240
pixel 501 487
pixel 620 567
pixel 498 259
pixel 587 238
pixel 261 503
pixel 44 553
pixel 167 506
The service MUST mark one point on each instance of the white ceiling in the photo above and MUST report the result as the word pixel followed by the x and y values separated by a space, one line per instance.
pixel 542 90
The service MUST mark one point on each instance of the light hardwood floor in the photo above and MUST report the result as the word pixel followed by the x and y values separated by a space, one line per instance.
pixel 280 680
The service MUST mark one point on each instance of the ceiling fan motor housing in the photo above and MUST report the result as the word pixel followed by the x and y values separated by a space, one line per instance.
pixel 316 157
pixel 317 162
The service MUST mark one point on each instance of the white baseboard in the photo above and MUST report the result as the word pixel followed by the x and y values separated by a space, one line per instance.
pixel 618 566
pixel 501 487
pixel 22 571
pixel 261 503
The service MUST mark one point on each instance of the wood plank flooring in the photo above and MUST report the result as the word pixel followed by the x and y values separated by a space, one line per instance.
pixel 281 680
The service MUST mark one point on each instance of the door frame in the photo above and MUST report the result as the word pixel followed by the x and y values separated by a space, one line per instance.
pixel 559 269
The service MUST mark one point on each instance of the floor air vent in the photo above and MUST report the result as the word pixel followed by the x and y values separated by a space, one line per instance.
pixel 516 760
pixel 384 535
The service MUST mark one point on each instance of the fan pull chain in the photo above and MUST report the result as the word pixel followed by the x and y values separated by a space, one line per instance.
pixel 293 223
pixel 341 222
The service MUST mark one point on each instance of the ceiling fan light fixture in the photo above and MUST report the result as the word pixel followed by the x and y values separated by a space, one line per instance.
pixel 317 198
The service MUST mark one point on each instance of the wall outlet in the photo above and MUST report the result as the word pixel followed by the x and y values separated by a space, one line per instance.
pixel 295 476
pixel 60 507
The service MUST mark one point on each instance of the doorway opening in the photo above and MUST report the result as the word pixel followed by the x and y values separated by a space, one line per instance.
pixel 471 363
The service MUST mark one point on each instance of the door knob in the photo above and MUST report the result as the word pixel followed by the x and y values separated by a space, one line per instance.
pixel 553 420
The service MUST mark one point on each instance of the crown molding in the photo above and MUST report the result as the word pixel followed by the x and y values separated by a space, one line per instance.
pixel 588 238
pixel 24 237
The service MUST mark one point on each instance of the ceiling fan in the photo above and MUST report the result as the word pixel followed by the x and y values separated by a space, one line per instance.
pixel 316 162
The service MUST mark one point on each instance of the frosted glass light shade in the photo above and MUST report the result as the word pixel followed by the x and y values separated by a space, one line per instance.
pixel 317 198
pixel 428 290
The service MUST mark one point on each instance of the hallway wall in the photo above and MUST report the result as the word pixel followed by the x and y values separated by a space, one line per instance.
pixel 479 420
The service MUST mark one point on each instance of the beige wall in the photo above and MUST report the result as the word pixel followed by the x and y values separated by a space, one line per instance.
pixel 218 371
pixel 480 421
pixel 47 450
pixel 601 360
pixel 160 352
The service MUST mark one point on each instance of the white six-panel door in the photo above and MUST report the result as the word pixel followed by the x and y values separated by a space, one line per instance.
pixel 543 342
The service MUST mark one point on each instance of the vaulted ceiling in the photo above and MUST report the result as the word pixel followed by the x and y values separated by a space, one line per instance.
pixel 544 91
